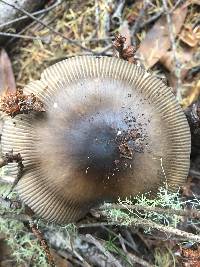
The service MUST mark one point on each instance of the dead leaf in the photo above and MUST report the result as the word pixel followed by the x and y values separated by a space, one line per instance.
pixel 190 36
pixel 157 41
pixel 184 56
pixel 7 79
pixel 192 95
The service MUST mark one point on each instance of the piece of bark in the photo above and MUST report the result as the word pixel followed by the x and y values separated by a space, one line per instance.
pixel 157 40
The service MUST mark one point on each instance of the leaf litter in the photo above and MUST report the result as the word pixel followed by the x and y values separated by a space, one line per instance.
pixel 90 23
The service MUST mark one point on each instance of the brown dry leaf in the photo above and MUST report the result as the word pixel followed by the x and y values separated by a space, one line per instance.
pixel 184 56
pixel 193 94
pixel 190 36
pixel 157 41
pixel 7 79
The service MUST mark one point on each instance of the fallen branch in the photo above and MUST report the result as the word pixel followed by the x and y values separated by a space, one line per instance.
pixel 143 223
pixel 190 213
pixel 165 229
pixel 38 234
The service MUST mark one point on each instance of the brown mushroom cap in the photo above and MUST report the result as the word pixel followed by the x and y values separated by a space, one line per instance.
pixel 110 130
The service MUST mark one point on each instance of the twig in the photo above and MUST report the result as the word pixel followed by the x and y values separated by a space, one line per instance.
pixel 97 17
pixel 136 25
pixel 79 257
pixel 138 260
pixel 194 173
pixel 89 238
pixel 132 257
pixel 104 50
pixel 190 213
pixel 193 115
pixel 106 21
pixel 151 19
pixel 16 35
pixel 165 229
pixel 43 243
pixel 58 2
pixel 74 42
pixel 149 224
pixel 117 16
pixel 71 257
pixel 99 224
pixel 177 64
pixel 177 3
pixel 116 235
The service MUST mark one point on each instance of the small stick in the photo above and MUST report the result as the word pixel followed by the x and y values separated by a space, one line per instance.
pixel 165 229
pixel 190 213
pixel 117 16
pixel 149 224
pixel 20 36
pixel 136 25
pixel 151 19
pixel 193 115
pixel 177 66
pixel 38 234
pixel 132 257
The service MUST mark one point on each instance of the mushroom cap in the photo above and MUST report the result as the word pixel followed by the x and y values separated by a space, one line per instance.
pixel 110 130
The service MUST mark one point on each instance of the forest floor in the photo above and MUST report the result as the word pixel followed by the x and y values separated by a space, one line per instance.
pixel 166 35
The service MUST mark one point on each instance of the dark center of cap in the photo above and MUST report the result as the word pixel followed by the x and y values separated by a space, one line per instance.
pixel 103 145
pixel 101 148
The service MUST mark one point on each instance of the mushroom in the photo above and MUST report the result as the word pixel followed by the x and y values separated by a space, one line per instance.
pixel 110 130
